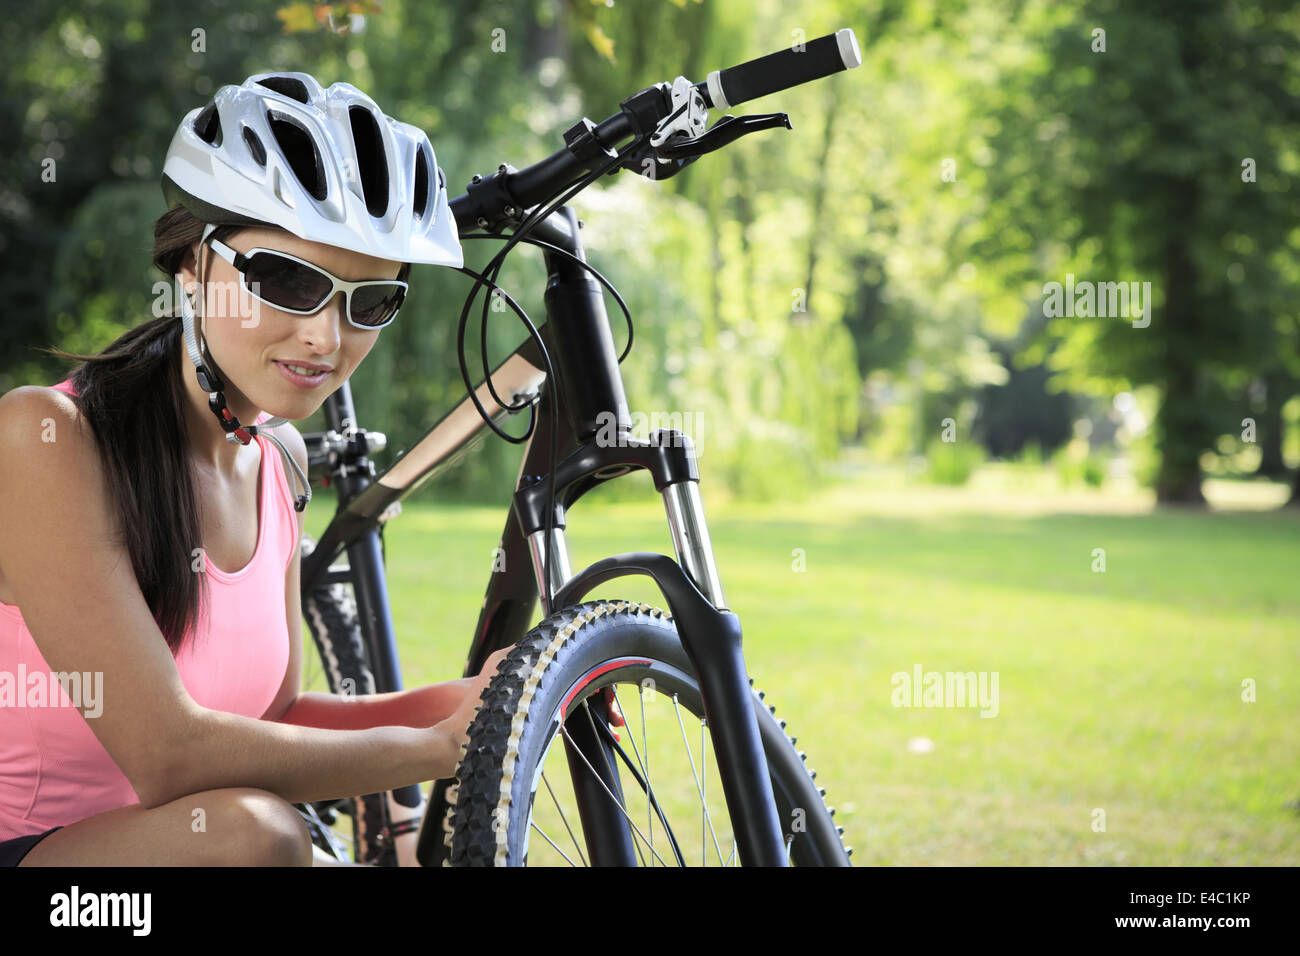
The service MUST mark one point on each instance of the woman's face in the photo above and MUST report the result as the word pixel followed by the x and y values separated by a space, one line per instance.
pixel 247 337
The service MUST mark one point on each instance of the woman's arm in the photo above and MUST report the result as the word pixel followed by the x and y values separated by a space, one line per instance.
pixel 419 707
pixel 292 760
pixel 301 764
pixel 75 585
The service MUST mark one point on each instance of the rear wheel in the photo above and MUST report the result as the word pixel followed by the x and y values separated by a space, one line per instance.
pixel 348 829
pixel 652 788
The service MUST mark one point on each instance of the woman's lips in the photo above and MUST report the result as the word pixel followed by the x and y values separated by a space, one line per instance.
pixel 302 381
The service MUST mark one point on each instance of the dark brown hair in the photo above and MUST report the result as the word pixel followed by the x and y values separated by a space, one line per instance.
pixel 131 394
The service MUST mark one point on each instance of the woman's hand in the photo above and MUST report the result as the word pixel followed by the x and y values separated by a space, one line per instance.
pixel 456 726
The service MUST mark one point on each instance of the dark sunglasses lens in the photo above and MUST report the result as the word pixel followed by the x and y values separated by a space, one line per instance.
pixel 374 305
pixel 285 283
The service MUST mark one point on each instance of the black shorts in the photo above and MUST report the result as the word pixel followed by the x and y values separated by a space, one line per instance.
pixel 11 851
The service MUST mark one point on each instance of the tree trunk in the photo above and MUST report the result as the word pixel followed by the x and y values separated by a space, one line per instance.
pixel 1178 481
pixel 1180 427
pixel 1277 389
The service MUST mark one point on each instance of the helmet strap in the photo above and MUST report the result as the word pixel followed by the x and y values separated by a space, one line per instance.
pixel 207 371
pixel 210 380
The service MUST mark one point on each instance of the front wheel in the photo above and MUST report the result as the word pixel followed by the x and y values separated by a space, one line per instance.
pixel 612 682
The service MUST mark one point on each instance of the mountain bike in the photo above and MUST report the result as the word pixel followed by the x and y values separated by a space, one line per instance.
pixel 636 695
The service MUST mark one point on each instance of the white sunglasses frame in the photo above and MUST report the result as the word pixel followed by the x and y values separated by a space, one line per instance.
pixel 337 285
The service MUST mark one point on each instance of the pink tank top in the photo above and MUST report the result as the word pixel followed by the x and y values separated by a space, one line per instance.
pixel 54 771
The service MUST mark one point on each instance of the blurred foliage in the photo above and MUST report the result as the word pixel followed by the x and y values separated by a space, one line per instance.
pixel 863 278
pixel 339 18
pixel 952 463
pixel 1076 465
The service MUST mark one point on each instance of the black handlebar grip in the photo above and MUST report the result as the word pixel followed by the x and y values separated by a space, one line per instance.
pixel 780 71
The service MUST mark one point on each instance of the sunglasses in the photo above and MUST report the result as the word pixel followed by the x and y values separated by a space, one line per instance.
pixel 295 285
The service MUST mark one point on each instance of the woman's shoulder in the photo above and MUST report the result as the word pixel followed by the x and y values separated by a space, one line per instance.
pixel 33 416
pixel 26 398
pixel 51 469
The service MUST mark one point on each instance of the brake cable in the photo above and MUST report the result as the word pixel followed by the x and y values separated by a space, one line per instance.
pixel 609 287
pixel 488 278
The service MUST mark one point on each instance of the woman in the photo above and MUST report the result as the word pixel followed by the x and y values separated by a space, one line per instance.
pixel 150 534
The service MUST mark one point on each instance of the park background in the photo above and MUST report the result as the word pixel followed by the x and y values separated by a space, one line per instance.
pixel 906 458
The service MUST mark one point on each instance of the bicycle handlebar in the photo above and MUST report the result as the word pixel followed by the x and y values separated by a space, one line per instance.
pixel 781 70
pixel 506 193
pixel 538 182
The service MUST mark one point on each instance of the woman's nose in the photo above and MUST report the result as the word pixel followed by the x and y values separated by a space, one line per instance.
pixel 325 327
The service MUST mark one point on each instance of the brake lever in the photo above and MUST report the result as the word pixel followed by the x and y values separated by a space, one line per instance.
pixel 724 131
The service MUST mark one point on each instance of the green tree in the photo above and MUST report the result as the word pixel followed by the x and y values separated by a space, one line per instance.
pixel 1160 148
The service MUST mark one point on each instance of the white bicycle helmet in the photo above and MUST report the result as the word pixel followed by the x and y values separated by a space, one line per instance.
pixel 325 164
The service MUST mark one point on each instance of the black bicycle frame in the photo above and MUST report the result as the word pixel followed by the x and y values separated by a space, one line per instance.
pixel 591 400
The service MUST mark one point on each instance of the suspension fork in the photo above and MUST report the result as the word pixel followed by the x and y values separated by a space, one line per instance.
pixel 710 633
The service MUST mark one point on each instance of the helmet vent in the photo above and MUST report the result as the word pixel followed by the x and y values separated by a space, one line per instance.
pixel 300 150
pixel 207 125
pixel 255 146
pixel 286 86
pixel 372 167
pixel 421 199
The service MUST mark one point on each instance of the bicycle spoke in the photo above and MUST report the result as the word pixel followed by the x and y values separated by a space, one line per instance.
pixel 613 772
pixel 645 769
pixel 620 806
pixel 651 803
pixel 698 789
pixel 565 820
pixel 646 789
pixel 533 824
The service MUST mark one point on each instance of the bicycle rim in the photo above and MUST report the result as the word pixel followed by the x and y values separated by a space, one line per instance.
pixel 670 789
pixel 664 807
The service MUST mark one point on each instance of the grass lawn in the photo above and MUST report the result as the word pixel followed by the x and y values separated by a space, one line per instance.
pixel 1120 692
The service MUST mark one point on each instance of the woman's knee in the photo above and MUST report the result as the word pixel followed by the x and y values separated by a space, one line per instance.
pixel 253 827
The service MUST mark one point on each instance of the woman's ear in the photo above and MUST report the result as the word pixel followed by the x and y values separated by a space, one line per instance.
pixel 186 272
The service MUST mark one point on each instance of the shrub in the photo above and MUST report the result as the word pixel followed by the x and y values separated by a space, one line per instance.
pixel 952 463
